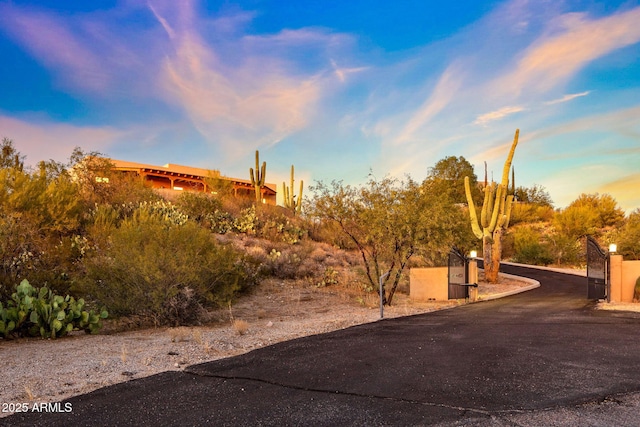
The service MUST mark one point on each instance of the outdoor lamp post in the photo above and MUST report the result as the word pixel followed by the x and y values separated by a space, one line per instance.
pixel 473 275
pixel 613 248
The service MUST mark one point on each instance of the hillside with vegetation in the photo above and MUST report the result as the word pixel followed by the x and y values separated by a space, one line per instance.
pixel 77 231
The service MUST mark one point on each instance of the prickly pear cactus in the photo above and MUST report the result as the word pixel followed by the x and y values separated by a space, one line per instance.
pixel 33 312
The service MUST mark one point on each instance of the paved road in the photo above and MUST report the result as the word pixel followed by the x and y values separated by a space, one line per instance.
pixel 544 357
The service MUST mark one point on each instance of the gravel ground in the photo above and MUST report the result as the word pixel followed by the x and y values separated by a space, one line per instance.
pixel 37 370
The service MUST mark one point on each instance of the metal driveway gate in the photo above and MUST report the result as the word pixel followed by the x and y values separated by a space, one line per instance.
pixel 597 271
pixel 458 275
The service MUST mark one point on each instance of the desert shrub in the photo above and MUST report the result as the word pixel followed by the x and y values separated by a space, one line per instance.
pixel 17 248
pixel 604 206
pixel 508 246
pixel 26 252
pixel 162 209
pixel 247 221
pixel 576 221
pixel 221 222
pixel 529 213
pixel 329 278
pixel 566 250
pixel 331 233
pixel 329 256
pixel 99 184
pixel 280 228
pixel 283 264
pixel 150 261
pixel 528 248
pixel 183 309
pixel 199 206
pixel 281 260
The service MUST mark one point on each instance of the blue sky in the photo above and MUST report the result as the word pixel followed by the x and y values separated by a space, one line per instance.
pixel 336 88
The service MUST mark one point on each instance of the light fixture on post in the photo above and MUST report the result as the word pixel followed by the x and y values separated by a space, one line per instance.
pixel 613 248
pixel 472 275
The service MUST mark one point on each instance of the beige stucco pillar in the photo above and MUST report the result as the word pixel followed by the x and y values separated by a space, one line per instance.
pixel 615 278
pixel 473 278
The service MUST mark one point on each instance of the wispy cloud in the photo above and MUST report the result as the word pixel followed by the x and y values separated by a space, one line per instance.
pixel 443 93
pixel 47 140
pixel 51 39
pixel 623 122
pixel 498 150
pixel 256 102
pixel 571 41
pixel 568 97
pixel 240 91
pixel 218 84
pixel 342 73
pixel 497 115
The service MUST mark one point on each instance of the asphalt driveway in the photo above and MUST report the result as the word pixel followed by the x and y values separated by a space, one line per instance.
pixel 544 357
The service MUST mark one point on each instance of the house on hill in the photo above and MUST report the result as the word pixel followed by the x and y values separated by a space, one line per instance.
pixel 186 178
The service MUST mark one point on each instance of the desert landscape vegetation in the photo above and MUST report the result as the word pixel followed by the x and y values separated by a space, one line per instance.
pixel 114 250
pixel 169 279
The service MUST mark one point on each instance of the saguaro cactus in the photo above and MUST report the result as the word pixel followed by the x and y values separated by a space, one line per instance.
pixel 494 218
pixel 290 201
pixel 257 177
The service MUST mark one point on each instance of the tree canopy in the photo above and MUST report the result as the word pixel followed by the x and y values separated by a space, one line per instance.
pixel 10 158
pixel 536 195
pixel 389 221
pixel 608 213
pixel 447 176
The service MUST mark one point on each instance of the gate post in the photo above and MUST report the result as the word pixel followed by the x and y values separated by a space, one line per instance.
pixel 472 266
pixel 615 278
pixel 597 271
pixel 458 275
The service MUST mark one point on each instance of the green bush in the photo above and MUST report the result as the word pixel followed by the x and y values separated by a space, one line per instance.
pixel 150 263
pixel 566 250
pixel 199 206
pixel 26 252
pixel 529 213
pixel 528 249
pixel 280 228
pixel 33 312
pixel 628 237
pixel 247 221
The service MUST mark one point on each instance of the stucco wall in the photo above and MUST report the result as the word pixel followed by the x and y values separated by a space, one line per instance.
pixel 429 284
pixel 630 273
pixel 623 276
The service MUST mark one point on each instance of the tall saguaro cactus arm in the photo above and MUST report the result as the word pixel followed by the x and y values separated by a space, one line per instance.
pixel 290 201
pixel 257 177
pixel 495 215
pixel 477 231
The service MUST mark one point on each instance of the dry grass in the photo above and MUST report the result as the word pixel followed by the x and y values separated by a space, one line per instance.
pixel 123 354
pixel 28 393
pixel 209 349
pixel 179 334
pixel 240 327
pixel 196 334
